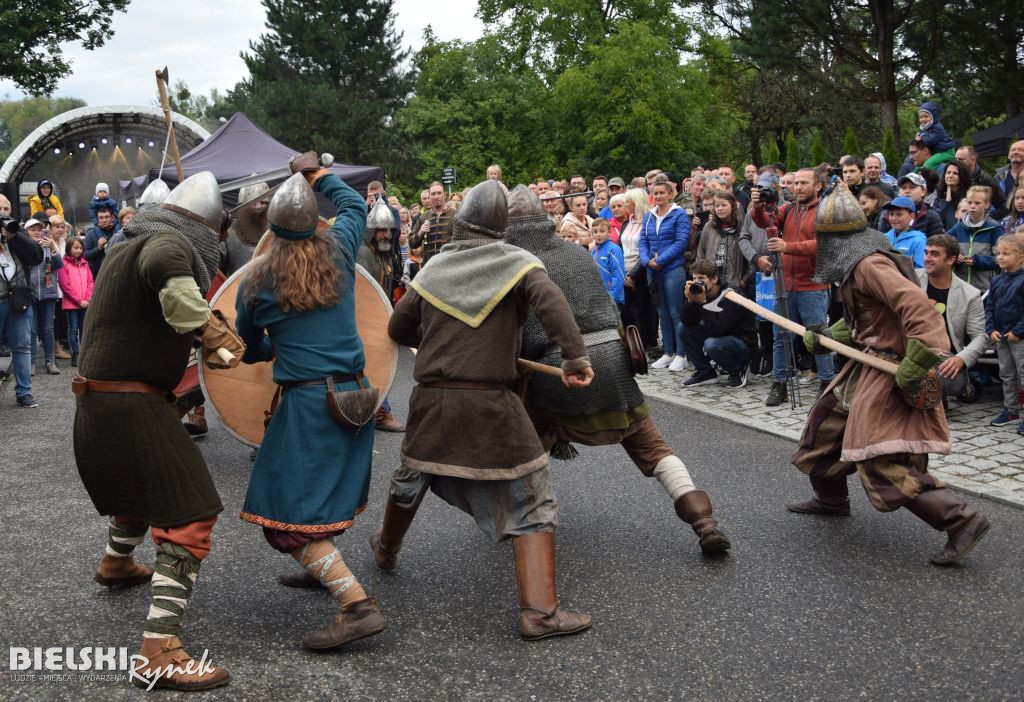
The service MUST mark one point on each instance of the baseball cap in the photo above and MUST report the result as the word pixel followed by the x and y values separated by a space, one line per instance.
pixel 617 181
pixel 32 223
pixel 915 178
pixel 904 203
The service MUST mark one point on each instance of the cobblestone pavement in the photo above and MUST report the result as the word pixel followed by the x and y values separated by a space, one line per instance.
pixel 985 461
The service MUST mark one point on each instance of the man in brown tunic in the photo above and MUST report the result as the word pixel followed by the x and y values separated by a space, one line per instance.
pixel 469 438
pixel 862 422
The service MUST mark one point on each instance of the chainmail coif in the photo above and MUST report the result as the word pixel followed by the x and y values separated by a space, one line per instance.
pixel 200 238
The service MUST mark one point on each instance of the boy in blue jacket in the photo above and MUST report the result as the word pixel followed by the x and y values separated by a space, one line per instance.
pixel 1004 324
pixel 934 136
pixel 977 234
pixel 102 199
pixel 609 261
pixel 909 242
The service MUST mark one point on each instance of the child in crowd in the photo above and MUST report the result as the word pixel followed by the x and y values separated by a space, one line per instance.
pixel 610 261
pixel 907 241
pixel 44 199
pixel 1004 324
pixel 1015 204
pixel 934 136
pixel 102 199
pixel 76 283
pixel 977 234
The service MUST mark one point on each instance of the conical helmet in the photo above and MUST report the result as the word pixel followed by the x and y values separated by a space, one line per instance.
pixel 293 212
pixel 380 217
pixel 198 197
pixel 155 193
pixel 840 213
pixel 523 204
pixel 483 214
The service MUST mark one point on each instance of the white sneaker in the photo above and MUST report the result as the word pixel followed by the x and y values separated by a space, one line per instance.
pixel 678 364
pixel 662 362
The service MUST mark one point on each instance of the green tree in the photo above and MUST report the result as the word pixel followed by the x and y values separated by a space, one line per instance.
pixel 31 34
pixel 966 141
pixel 328 75
pixel 889 150
pixel 201 108
pixel 851 146
pixel 818 153
pixel 793 157
pixel 654 112
pixel 771 154
pixel 18 118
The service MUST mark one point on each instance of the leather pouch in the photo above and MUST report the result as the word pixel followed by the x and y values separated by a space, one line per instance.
pixel 635 346
pixel 352 409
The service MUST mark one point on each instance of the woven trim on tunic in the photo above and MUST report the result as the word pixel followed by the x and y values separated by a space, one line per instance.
pixel 895 446
pixel 469 473
pixel 302 528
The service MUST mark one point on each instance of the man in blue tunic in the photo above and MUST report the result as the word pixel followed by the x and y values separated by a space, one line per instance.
pixel 312 475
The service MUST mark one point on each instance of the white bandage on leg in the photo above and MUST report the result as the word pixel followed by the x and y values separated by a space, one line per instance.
pixel 672 474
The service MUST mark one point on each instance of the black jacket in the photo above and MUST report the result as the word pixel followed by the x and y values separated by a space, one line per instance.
pixel 733 320
pixel 28 253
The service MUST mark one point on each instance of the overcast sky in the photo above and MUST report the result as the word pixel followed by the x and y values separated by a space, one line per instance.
pixel 200 41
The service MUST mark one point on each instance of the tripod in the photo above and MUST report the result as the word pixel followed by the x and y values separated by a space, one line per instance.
pixel 781 299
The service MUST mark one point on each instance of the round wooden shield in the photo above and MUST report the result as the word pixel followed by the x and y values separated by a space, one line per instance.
pixel 242 395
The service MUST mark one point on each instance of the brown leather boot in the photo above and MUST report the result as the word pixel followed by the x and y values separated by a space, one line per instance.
pixel 831 499
pixel 356 621
pixel 964 525
pixel 694 508
pixel 118 572
pixel 196 422
pixel 386 542
pixel 539 615
pixel 161 653
pixel 386 422
pixel 298 578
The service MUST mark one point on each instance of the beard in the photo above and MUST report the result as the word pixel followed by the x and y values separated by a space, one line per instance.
pixel 383 246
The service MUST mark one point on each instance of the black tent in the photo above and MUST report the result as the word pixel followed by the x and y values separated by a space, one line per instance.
pixel 236 150
pixel 995 141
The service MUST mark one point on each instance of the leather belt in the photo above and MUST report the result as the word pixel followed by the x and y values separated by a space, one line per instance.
pixel 322 381
pixel 460 385
pixel 82 386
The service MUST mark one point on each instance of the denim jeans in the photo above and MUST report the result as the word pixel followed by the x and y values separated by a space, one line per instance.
pixel 670 307
pixel 729 352
pixel 807 308
pixel 76 322
pixel 42 328
pixel 17 326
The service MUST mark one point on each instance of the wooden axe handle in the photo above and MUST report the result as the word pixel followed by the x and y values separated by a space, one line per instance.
pixel 529 365
pixel 828 342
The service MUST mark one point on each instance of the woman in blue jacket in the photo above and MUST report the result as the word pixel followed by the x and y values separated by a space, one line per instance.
pixel 664 233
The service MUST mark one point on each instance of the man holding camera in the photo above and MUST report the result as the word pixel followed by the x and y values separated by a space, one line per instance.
pixel 726 337
pixel 808 301
pixel 18 254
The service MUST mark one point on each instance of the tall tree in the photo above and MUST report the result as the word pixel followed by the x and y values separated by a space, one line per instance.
pixel 31 34
pixel 18 118
pixel 327 75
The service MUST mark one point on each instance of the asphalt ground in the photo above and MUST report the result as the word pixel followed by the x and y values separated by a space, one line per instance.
pixel 803 607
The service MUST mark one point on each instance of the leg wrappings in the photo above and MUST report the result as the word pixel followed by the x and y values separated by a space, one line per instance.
pixel 672 474
pixel 175 576
pixel 123 535
pixel 322 560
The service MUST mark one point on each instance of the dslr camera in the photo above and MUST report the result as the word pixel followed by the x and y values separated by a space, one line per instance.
pixel 698 288
pixel 769 195
pixel 9 224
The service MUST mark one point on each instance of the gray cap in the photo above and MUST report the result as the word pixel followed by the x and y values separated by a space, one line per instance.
pixel 198 197
pixel 617 181
pixel 915 178
pixel 293 212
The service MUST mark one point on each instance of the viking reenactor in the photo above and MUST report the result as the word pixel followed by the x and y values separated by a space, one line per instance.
pixel 469 437
pixel 154 194
pixel 312 474
pixel 135 458
pixel 247 227
pixel 379 255
pixel 868 421
pixel 612 410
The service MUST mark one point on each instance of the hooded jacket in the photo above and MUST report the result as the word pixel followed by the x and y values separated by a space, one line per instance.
pixel 38 203
pixel 910 243
pixel 934 135
pixel 979 244
pixel 885 177
pixel 1004 304
pixel 796 227
pixel 76 282
pixel 41 290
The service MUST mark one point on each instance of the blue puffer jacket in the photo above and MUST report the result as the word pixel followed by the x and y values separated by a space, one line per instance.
pixel 979 244
pixel 1004 304
pixel 667 241
pixel 37 277
pixel 935 136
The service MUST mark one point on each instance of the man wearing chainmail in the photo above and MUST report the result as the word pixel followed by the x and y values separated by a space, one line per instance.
pixel 862 423
pixel 612 410
pixel 469 437
pixel 249 224
pixel 136 460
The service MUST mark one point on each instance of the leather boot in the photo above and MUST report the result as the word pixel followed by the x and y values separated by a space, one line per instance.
pixel 831 499
pixel 356 621
pixel 122 572
pixel 964 525
pixel 385 421
pixel 165 652
pixel 694 508
pixel 539 615
pixel 299 578
pixel 196 422
pixel 61 353
pixel 386 542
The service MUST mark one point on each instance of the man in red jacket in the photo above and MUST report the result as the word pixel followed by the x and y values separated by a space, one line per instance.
pixel 808 300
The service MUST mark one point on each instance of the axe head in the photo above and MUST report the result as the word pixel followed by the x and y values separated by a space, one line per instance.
pixel 713 306
pixel 164 76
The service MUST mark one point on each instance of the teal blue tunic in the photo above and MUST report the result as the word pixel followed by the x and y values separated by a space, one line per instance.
pixel 311 475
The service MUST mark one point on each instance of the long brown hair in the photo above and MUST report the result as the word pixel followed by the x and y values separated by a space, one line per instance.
pixel 303 275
